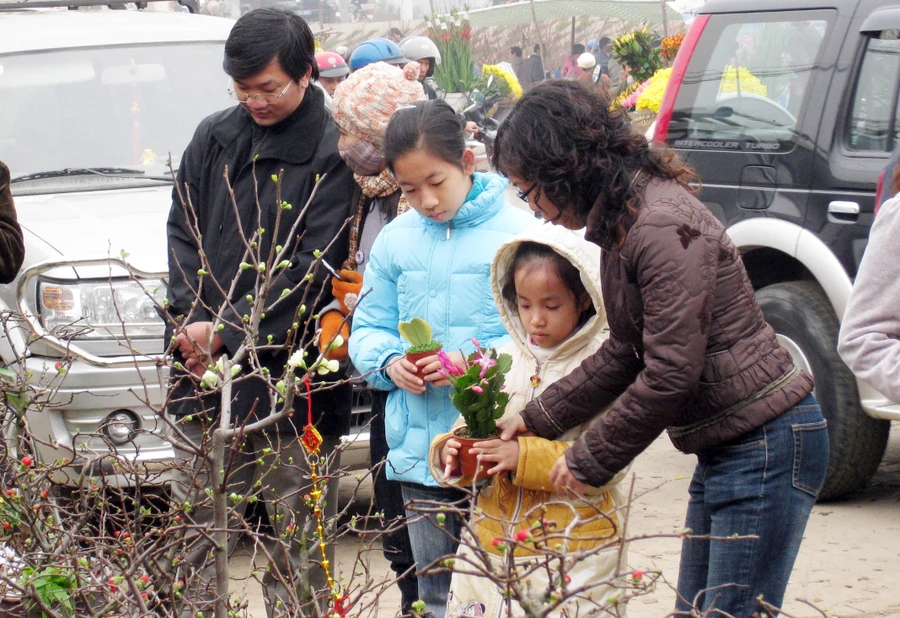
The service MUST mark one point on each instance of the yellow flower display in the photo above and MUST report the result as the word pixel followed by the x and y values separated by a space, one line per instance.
pixel 652 95
pixel 511 81
pixel 749 84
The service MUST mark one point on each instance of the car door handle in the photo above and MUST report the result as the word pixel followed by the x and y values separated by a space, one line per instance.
pixel 843 212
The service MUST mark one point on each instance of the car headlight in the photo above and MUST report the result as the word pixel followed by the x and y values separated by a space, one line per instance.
pixel 101 309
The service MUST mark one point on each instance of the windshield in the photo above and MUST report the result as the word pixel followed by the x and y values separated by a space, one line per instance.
pixel 107 107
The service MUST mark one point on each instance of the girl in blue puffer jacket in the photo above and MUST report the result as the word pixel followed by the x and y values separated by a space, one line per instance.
pixel 432 262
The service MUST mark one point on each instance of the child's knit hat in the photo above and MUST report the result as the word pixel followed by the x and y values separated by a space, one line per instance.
pixel 364 102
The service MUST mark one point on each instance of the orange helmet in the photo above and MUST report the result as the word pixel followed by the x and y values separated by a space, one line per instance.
pixel 331 65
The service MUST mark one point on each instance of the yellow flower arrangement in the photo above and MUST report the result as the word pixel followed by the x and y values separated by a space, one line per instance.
pixel 652 95
pixel 508 78
pixel 749 84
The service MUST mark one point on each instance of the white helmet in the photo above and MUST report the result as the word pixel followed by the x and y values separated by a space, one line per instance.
pixel 419 47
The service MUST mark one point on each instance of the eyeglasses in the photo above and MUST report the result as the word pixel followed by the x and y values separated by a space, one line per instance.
pixel 245 98
pixel 523 195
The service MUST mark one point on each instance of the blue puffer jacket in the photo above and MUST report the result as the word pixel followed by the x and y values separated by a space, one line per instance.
pixel 439 272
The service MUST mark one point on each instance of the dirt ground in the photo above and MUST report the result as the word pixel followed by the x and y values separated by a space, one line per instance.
pixel 847 562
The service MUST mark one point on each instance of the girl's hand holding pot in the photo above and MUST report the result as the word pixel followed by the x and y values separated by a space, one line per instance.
pixel 403 374
pixel 450 457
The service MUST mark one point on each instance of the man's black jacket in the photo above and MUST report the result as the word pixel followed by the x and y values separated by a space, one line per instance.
pixel 304 147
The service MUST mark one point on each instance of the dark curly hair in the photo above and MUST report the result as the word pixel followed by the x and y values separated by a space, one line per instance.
pixel 585 157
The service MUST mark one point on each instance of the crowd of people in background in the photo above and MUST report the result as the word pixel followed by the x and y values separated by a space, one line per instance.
pixel 591 64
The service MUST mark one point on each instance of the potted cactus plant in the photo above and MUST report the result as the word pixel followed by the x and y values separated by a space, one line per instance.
pixel 476 390
pixel 418 333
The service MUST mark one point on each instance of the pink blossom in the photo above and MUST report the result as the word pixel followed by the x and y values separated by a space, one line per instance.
pixel 477 345
pixel 631 99
pixel 448 365
pixel 477 389
pixel 486 363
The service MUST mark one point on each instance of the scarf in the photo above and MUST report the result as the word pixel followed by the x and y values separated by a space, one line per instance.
pixel 381 185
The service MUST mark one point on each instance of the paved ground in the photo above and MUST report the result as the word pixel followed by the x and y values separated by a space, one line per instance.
pixel 846 567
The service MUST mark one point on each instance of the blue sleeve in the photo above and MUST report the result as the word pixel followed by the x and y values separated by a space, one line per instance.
pixel 374 337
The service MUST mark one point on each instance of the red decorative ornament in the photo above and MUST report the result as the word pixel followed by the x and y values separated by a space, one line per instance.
pixel 311 438
pixel 341 605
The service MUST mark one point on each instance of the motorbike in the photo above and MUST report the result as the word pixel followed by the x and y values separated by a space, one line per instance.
pixel 482 142
pixel 362 11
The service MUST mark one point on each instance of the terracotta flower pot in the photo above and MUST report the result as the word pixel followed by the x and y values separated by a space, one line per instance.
pixel 468 461
pixel 413 357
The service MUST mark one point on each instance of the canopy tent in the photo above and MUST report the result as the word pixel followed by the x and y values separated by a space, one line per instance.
pixel 520 13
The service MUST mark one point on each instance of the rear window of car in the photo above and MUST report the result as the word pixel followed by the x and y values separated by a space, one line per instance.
pixel 748 80
pixel 872 122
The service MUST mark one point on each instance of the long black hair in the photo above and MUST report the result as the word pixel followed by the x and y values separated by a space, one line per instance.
pixel 432 126
pixel 563 136
pixel 263 35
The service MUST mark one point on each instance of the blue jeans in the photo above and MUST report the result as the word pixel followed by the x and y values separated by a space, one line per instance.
pixel 431 542
pixel 762 484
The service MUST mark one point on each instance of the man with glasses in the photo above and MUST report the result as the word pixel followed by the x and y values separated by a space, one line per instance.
pixel 279 129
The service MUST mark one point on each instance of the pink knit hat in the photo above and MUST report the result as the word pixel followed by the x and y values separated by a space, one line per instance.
pixel 364 102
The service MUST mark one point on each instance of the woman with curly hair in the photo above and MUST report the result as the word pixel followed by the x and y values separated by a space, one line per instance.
pixel 689 350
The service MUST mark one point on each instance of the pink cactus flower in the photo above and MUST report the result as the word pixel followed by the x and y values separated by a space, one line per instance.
pixel 486 363
pixel 449 368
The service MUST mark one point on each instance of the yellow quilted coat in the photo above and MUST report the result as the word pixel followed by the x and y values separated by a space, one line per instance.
pixel 510 503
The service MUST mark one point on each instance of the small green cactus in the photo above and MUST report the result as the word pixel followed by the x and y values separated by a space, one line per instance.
pixel 418 332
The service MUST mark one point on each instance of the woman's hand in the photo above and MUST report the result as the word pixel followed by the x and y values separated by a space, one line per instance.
pixel 432 367
pixel 450 457
pixel 512 426
pixel 563 480
pixel 503 453
pixel 403 374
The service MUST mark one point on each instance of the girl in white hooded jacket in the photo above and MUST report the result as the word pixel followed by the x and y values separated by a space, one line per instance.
pixel 544 284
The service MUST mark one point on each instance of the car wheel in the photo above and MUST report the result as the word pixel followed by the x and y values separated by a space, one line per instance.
pixel 806 325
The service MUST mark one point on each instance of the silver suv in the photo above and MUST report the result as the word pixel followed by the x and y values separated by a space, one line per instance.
pixel 94 104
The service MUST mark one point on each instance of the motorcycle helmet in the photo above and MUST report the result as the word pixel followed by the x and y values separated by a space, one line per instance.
pixel 331 65
pixel 586 61
pixel 375 50
pixel 343 51
pixel 419 47
pixel 592 44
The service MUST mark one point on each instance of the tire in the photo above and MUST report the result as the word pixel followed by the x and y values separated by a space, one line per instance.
pixel 806 325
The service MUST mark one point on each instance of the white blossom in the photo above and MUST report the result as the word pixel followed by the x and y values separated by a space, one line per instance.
pixel 209 380
pixel 324 367
pixel 296 360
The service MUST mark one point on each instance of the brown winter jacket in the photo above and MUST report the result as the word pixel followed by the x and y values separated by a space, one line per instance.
pixel 689 349
pixel 12 246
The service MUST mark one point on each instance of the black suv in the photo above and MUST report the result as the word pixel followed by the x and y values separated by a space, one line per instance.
pixel 787 110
